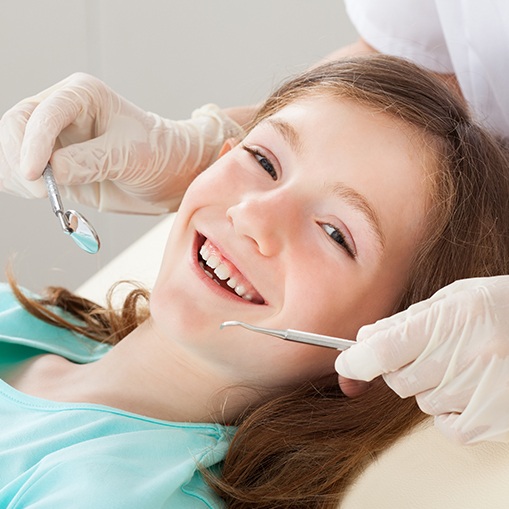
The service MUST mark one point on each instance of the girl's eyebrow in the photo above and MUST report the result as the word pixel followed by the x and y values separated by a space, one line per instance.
pixel 288 132
pixel 359 202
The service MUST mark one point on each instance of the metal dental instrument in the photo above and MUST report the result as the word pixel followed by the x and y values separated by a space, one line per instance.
pixel 298 336
pixel 72 222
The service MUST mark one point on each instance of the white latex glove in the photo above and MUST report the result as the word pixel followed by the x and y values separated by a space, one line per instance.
pixel 451 352
pixel 105 151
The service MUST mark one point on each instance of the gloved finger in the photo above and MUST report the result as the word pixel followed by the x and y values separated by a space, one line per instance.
pixel 107 196
pixel 359 362
pixel 399 318
pixel 419 335
pixel 411 381
pixel 448 294
pixel 443 368
pixel 42 129
pixel 352 388
pixel 456 390
pixel 12 131
pixel 385 351
pixel 440 401
pixel 12 128
pixel 77 97
pixel 90 161
pixel 427 371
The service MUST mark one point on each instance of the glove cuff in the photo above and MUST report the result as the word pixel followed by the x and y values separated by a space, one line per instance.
pixel 230 128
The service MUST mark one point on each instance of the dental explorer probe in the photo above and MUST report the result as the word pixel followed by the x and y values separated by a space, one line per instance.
pixel 298 336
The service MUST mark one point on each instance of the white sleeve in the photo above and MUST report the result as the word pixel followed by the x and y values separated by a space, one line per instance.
pixel 403 28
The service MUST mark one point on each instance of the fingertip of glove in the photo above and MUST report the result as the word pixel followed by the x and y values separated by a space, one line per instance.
pixel 359 363
pixel 28 169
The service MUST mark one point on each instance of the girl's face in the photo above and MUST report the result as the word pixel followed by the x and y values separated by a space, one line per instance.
pixel 314 218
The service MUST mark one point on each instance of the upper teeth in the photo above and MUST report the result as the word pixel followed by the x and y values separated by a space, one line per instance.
pixel 223 273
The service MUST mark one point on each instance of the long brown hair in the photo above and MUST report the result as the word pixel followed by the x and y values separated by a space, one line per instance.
pixel 303 449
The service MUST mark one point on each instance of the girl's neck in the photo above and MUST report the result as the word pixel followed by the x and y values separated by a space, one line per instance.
pixel 148 376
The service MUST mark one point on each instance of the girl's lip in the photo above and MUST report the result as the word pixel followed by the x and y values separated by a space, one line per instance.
pixel 217 289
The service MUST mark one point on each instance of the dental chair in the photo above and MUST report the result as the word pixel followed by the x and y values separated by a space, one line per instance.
pixel 421 471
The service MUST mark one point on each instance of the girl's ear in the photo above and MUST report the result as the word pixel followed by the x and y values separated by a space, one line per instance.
pixel 227 146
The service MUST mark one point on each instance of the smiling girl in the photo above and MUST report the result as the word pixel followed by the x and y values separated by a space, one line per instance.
pixel 362 187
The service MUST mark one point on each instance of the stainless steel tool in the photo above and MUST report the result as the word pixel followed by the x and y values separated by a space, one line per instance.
pixel 72 222
pixel 295 335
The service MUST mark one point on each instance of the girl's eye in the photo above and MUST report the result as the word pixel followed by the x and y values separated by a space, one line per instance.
pixel 263 161
pixel 338 237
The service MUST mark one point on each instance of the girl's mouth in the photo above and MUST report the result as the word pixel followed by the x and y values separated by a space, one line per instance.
pixel 225 274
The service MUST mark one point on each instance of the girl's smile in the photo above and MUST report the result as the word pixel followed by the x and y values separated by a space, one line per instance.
pixel 223 276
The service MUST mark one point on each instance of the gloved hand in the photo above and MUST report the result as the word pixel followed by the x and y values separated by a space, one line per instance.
pixel 451 352
pixel 105 151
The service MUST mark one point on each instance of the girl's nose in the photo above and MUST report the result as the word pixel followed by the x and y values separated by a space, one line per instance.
pixel 267 219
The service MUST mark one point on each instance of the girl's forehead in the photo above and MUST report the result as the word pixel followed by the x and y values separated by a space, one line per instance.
pixel 330 108
pixel 335 118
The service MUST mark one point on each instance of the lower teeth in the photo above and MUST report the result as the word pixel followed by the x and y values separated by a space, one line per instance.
pixel 210 275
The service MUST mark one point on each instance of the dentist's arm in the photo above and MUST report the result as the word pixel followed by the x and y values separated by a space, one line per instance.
pixel 451 352
pixel 105 151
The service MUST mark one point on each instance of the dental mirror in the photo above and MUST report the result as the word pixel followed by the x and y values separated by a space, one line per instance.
pixel 82 232
pixel 72 222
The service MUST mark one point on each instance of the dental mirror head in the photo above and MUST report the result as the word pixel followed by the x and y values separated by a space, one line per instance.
pixel 72 222
pixel 82 232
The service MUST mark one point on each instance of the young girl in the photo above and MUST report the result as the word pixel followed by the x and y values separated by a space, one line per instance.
pixel 363 187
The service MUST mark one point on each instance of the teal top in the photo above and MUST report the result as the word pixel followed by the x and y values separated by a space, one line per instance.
pixel 56 455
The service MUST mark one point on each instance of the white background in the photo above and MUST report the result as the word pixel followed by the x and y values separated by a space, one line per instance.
pixel 166 56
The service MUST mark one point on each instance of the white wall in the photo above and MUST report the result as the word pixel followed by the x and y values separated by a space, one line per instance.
pixel 166 56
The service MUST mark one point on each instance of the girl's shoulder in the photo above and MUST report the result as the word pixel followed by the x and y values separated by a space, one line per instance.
pixel 23 333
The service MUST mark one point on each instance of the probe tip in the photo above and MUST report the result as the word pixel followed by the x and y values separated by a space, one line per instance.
pixel 229 324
